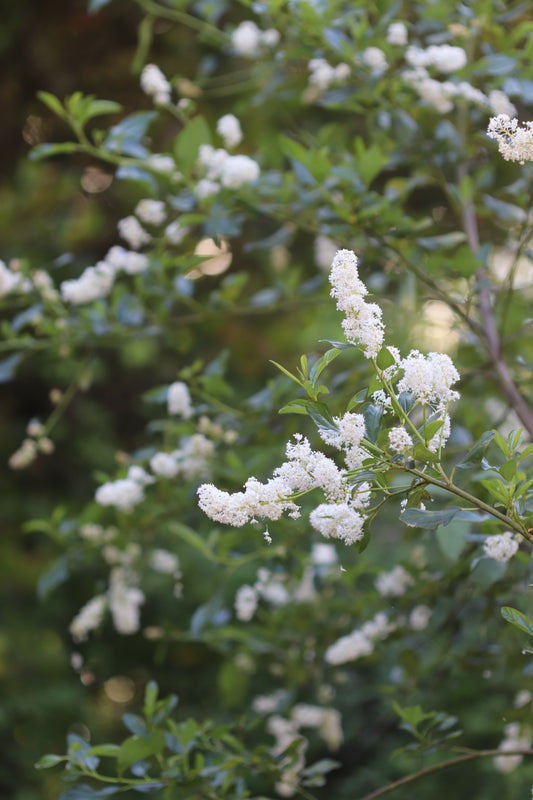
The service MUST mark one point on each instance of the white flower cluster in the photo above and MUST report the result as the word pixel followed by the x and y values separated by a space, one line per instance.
pixel 393 583
pixel 429 378
pixel 374 58
pixel 322 74
pixel 154 84
pixel 304 470
pixel 13 281
pixel 348 437
pixel 125 493
pixel 442 94
pixel 360 642
pixel 514 740
pixel 362 323
pixel 338 521
pixel 124 602
pixel 399 440
pixel 443 57
pixel 152 212
pixel 225 170
pixel 88 618
pixel 397 34
pixel 515 142
pixel 229 128
pixel 501 547
pixel 131 230
pixel 179 400
pixel 250 41
pixel 96 282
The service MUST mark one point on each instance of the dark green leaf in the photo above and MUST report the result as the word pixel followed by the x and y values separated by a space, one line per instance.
pixel 137 747
pixel 8 367
pixel 518 619
pixel 372 415
pixel 428 519
pixel 476 452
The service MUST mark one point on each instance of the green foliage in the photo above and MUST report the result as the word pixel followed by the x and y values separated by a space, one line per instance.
pixel 244 623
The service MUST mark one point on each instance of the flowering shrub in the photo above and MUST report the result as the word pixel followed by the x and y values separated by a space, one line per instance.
pixel 367 623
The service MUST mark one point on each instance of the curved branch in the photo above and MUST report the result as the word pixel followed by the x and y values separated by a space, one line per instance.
pixel 452 762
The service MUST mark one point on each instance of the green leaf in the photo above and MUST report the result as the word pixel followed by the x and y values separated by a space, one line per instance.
pixel 372 415
pixel 137 747
pixel 476 453
pixel 53 103
pixel 49 760
pixel 323 362
pixel 507 212
pixel 444 242
pixel 406 401
pixel 188 142
pixel 452 539
pixel 295 407
pixel 287 373
pixel 508 469
pixel 8 367
pixel 428 519
pixel 518 619
pixel 431 428
pixel 47 150
pixel 385 358
pixel 150 698
pixel 84 792
pixel 320 415
pixel 53 577
pixel 421 453
pixel 339 345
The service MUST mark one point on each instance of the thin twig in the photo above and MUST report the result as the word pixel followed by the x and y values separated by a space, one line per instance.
pixel 390 787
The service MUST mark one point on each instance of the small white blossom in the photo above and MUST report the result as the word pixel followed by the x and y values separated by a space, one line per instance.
pixel 152 212
pixel 399 440
pixel 124 603
pixel 246 601
pixel 393 583
pixel 161 163
pixel 419 617
pixel 176 232
pixel 154 84
pixel 501 547
pixel 164 464
pixel 124 494
pixel 88 618
pixel 179 400
pixel 164 561
pixel 375 58
pixel 514 740
pixel 205 188
pixel 131 230
pixel 325 250
pixel 229 128
pixel 514 143
pixel 397 34
pixel 11 281
pixel 338 521
pixel 139 475
pixel 93 284
pixel 127 260
pixel 349 648
pixel 24 456
pixel 246 39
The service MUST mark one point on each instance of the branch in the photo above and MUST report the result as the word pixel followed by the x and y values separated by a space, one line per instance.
pixel 491 337
pixel 470 756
